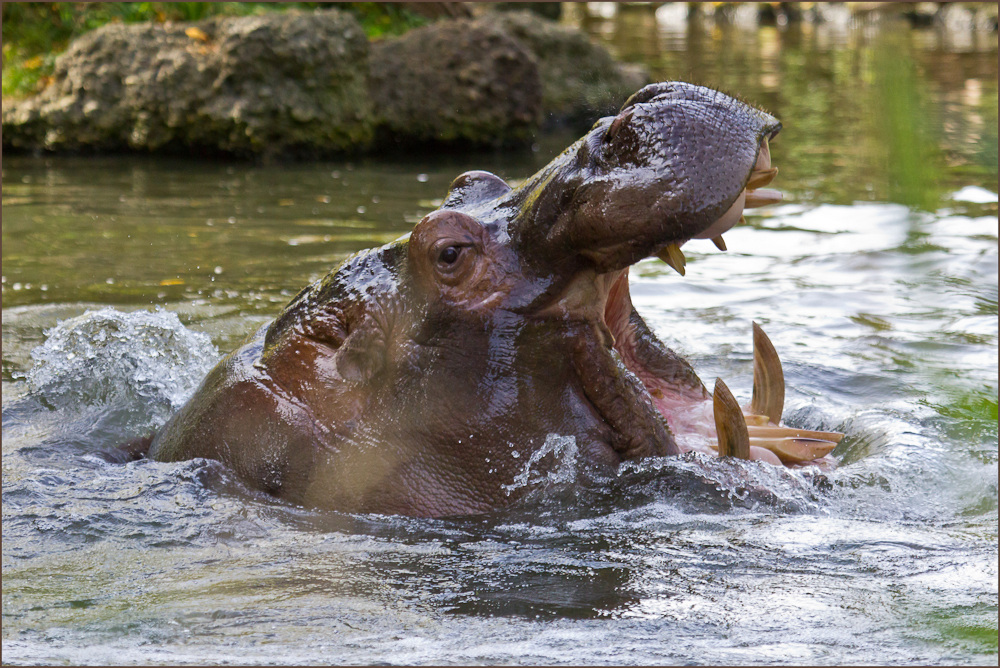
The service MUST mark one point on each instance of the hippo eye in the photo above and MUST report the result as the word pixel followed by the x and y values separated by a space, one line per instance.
pixel 451 260
pixel 449 255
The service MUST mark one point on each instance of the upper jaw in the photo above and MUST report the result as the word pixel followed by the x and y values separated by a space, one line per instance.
pixel 753 195
pixel 667 170
pixel 679 162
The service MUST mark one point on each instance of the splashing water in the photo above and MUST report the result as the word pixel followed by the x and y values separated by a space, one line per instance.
pixel 555 463
pixel 111 372
pixel 108 356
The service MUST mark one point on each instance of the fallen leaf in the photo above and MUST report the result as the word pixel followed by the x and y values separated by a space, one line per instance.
pixel 196 33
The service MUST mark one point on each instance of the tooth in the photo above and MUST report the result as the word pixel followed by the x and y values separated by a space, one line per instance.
pixel 719 242
pixel 762 197
pixel 761 177
pixel 764 156
pixel 673 256
pixel 734 440
pixel 756 420
pixel 742 221
pixel 768 378
pixel 792 432
pixel 791 450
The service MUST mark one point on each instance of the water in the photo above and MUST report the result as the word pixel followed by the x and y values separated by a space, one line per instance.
pixel 125 278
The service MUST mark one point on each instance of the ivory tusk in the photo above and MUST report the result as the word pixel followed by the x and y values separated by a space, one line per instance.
pixel 734 440
pixel 768 378
pixel 795 449
pixel 674 257
pixel 756 420
pixel 791 432
pixel 761 197
pixel 761 177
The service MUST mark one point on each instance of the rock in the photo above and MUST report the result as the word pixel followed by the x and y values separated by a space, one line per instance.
pixel 296 83
pixel 454 82
pixel 256 85
pixel 580 79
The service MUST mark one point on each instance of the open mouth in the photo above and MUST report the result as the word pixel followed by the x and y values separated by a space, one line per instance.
pixel 716 424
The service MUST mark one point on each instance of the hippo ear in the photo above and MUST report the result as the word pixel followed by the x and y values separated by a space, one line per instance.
pixel 362 354
pixel 472 188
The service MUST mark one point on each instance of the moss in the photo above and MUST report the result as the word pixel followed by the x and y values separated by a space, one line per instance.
pixel 34 33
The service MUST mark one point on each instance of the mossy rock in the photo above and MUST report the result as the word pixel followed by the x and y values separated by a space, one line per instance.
pixel 581 81
pixel 459 82
pixel 258 85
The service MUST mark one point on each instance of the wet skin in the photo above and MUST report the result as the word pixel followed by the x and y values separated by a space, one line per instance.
pixel 406 380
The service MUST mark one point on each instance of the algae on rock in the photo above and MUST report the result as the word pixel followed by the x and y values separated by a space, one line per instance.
pixel 254 85
pixel 311 84
pixel 454 82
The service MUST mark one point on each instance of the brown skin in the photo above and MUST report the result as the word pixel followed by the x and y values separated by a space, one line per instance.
pixel 403 381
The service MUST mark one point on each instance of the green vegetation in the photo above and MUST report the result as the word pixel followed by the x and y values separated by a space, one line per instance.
pixel 903 112
pixel 34 33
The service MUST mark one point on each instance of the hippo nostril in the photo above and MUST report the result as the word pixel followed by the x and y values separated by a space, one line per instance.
pixel 616 125
pixel 647 93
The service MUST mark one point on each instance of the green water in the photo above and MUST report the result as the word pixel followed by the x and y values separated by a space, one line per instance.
pixel 876 280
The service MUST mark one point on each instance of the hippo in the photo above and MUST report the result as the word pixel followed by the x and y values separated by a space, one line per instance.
pixel 418 378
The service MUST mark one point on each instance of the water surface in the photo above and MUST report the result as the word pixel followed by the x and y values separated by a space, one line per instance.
pixel 124 279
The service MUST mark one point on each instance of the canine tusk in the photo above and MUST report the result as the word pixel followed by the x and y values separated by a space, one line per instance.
pixel 791 432
pixel 756 420
pixel 762 197
pixel 795 450
pixel 768 378
pixel 761 177
pixel 734 440
pixel 720 242
pixel 673 256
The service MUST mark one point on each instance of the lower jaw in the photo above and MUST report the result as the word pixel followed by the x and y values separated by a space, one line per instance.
pixel 688 411
pixel 689 414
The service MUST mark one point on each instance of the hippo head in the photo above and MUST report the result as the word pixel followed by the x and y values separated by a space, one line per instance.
pixel 674 164
pixel 422 377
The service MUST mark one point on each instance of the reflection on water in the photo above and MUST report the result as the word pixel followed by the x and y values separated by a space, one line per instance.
pixel 876 110
pixel 876 280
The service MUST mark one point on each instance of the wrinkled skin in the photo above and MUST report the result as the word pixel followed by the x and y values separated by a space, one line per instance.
pixel 404 381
